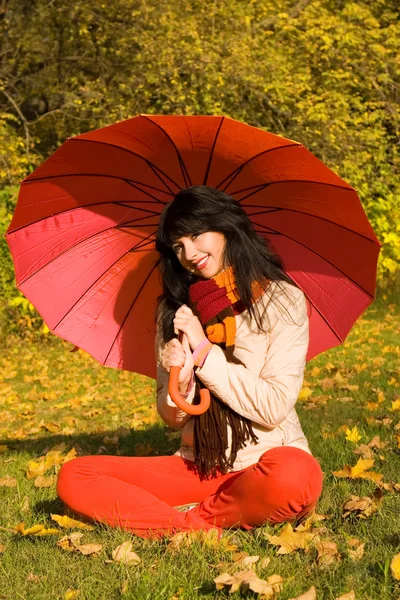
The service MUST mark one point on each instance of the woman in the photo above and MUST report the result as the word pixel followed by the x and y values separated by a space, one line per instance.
pixel 244 322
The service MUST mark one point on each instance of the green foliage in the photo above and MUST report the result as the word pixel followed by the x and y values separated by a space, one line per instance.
pixel 323 72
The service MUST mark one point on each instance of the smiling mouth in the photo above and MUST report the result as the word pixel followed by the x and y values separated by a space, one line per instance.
pixel 202 263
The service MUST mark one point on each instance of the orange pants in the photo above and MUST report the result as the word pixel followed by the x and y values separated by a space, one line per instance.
pixel 139 494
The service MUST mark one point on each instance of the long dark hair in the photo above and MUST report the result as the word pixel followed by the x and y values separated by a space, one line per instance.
pixel 198 209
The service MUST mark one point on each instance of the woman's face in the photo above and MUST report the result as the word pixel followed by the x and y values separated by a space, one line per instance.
pixel 201 254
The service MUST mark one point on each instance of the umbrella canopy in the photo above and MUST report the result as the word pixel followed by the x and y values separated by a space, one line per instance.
pixel 83 233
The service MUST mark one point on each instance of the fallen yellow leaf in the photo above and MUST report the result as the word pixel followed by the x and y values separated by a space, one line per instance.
pixel 310 595
pixel 395 405
pixel 242 559
pixel 305 393
pixel 34 530
pixel 395 566
pixel 123 554
pixel 71 594
pixel 290 540
pixel 69 523
pixel 356 548
pixel 353 435
pixel 359 471
pixel 329 366
pixel 70 543
pixel 327 553
pixel 35 469
pixel 363 507
pixel 248 580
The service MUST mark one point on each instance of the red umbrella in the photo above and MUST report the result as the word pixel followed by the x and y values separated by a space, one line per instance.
pixel 82 235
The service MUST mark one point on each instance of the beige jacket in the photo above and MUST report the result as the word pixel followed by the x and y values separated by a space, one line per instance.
pixel 265 390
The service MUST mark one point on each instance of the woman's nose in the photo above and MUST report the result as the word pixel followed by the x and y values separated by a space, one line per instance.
pixel 190 251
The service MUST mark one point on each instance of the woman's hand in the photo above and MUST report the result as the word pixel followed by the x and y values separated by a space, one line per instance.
pixel 187 322
pixel 175 354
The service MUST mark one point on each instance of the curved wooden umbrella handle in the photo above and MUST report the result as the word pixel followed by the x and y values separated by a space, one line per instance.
pixel 190 409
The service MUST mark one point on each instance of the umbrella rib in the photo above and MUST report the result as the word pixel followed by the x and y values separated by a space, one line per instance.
pixel 90 287
pixel 153 167
pixel 128 181
pixel 318 311
pixel 316 253
pixel 184 171
pixel 236 171
pixel 316 217
pixel 93 235
pixel 212 151
pixel 79 208
pixel 126 205
pixel 265 185
pixel 140 246
pixel 136 187
pixel 130 308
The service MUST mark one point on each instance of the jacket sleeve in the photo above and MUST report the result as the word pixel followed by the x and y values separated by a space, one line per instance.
pixel 266 398
pixel 166 408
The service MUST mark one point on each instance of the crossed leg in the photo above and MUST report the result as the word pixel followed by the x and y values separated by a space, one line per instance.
pixel 138 494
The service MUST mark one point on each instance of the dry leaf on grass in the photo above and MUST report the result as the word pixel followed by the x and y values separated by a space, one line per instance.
pixel 290 540
pixel 248 580
pixel 310 595
pixel 353 435
pixel 356 548
pixel 53 458
pixel 307 524
pixel 44 482
pixel 363 507
pixel 69 523
pixel 366 450
pixel 359 471
pixel 36 530
pixel 242 559
pixel 71 594
pixel 8 481
pixel 209 538
pixel 315 401
pixel 395 566
pixel 327 553
pixel 305 393
pixel 123 554
pixel 390 486
pixel 2 548
pixel 395 405
pixel 71 543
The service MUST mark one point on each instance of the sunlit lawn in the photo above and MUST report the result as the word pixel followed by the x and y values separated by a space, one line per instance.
pixel 49 396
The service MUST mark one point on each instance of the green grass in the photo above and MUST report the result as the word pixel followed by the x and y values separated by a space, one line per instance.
pixel 48 395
